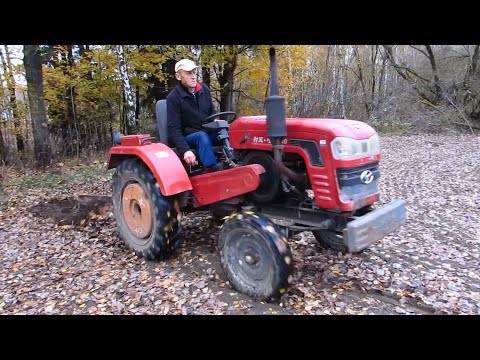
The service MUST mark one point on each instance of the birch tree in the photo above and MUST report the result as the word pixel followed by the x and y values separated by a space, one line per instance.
pixel 3 148
pixel 10 79
pixel 132 126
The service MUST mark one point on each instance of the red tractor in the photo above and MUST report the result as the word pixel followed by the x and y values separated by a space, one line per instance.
pixel 284 176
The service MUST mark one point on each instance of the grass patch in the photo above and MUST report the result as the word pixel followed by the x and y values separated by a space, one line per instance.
pixel 391 126
pixel 63 174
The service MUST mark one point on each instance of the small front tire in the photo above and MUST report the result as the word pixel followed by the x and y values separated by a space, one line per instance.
pixel 255 256
pixel 329 239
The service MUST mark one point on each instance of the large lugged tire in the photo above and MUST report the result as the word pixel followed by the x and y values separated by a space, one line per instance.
pixel 329 239
pixel 255 256
pixel 147 221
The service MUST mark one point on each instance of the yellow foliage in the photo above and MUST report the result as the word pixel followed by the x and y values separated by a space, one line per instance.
pixel 254 75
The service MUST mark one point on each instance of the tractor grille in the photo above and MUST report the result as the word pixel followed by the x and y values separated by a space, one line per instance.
pixel 358 182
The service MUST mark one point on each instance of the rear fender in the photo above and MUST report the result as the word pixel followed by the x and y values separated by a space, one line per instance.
pixel 162 162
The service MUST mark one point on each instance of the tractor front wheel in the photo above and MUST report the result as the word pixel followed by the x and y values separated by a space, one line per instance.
pixel 329 239
pixel 147 221
pixel 255 256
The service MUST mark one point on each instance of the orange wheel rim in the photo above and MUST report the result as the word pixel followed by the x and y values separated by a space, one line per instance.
pixel 137 210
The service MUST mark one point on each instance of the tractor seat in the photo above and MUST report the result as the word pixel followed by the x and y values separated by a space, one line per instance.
pixel 161 113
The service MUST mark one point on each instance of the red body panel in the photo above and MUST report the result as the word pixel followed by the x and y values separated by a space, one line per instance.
pixel 136 140
pixel 216 186
pixel 322 178
pixel 160 159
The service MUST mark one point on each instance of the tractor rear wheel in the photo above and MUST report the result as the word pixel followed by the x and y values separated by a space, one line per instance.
pixel 329 239
pixel 255 256
pixel 270 182
pixel 148 222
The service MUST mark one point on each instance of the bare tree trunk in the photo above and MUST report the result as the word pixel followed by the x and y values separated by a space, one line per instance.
pixel 362 83
pixel 34 76
pixel 137 103
pixel 472 67
pixel 386 79
pixel 161 88
pixel 431 58
pixel 346 58
pixel 85 53
pixel 382 84
pixel 8 71
pixel 333 92
pixel 71 121
pixel 132 124
pixel 471 98
pixel 75 120
pixel 374 75
pixel 3 148
pixel 226 79
pixel 206 76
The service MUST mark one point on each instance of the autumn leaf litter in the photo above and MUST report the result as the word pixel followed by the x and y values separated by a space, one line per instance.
pixel 429 266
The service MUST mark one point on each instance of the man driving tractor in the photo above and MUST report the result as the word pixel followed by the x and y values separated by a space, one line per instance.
pixel 188 104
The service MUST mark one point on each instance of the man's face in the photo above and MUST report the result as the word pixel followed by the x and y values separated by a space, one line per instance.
pixel 188 78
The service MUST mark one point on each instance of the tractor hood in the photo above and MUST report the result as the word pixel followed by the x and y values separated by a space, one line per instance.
pixel 329 127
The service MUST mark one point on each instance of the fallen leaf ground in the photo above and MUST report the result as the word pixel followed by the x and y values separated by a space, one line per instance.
pixel 429 266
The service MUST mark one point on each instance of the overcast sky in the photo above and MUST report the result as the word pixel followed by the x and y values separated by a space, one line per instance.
pixel 16 55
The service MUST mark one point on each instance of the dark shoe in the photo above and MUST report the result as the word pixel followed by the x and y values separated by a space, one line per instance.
pixel 217 167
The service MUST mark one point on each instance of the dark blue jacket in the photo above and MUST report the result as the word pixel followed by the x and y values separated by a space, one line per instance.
pixel 186 112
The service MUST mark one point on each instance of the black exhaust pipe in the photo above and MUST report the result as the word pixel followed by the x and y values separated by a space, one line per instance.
pixel 276 123
pixel 275 105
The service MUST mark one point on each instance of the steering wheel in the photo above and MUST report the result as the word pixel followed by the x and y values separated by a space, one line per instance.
pixel 213 116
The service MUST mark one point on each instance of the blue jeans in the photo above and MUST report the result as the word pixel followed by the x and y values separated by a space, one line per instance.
pixel 203 142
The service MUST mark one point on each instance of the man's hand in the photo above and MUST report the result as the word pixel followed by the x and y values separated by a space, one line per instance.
pixel 189 158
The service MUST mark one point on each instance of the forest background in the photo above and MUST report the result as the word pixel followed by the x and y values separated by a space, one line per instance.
pixel 68 100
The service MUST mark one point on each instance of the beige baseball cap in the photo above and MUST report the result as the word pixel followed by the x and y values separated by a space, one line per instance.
pixel 185 64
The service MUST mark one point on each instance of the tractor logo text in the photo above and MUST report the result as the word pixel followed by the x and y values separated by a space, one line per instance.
pixel 265 140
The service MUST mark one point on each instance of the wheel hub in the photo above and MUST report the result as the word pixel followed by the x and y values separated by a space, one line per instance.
pixel 248 258
pixel 251 258
pixel 137 211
